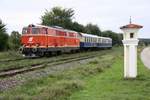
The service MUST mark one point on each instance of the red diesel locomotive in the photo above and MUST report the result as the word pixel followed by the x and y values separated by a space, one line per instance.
pixel 38 40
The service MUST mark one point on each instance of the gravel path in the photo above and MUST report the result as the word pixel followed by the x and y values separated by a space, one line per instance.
pixel 145 57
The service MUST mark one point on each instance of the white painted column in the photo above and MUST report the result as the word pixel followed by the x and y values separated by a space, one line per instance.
pixel 132 62
pixel 125 60
pixel 130 58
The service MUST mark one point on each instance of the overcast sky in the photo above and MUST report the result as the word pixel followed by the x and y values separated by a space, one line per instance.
pixel 107 14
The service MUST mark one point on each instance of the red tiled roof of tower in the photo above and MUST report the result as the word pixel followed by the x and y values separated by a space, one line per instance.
pixel 131 26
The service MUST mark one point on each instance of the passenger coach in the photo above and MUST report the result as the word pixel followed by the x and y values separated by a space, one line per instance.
pixel 88 41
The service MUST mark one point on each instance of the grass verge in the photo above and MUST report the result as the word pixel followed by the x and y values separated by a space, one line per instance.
pixel 110 85
pixel 60 86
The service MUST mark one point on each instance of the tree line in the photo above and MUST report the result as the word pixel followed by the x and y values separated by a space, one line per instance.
pixel 63 17
pixel 56 16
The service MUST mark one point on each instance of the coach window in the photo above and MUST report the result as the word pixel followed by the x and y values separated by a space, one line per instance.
pixel 86 39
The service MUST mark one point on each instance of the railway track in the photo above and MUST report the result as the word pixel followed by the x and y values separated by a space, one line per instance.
pixel 15 71
pixel 38 61
pixel 23 58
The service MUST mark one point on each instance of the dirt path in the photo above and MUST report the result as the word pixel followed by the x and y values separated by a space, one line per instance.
pixel 145 57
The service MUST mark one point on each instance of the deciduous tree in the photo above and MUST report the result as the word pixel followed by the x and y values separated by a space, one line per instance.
pixel 58 17
pixel 93 29
pixel 14 40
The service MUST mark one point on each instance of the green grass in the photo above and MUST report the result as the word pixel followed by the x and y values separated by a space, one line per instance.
pixel 10 55
pixel 99 79
pixel 28 62
pixel 61 85
pixel 111 85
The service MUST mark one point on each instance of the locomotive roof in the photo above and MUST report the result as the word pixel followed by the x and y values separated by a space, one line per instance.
pixel 54 27
pixel 67 30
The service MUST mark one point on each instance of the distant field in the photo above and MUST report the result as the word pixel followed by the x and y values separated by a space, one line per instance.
pixel 100 79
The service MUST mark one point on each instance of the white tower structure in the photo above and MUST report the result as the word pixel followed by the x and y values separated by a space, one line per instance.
pixel 130 42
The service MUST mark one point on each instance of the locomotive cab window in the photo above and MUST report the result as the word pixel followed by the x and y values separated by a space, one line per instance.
pixel 131 35
pixel 24 31
pixel 35 30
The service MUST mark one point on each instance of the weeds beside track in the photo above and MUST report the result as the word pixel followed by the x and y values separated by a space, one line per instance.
pixel 23 69
pixel 12 65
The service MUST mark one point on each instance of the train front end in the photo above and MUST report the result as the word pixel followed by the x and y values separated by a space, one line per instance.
pixel 33 39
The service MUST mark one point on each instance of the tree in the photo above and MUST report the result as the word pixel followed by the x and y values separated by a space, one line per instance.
pixel 93 29
pixel 58 17
pixel 63 17
pixel 116 37
pixel 14 40
pixel 3 37
pixel 78 27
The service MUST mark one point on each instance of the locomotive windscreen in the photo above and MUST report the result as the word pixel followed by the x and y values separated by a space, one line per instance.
pixel 24 30
pixel 30 31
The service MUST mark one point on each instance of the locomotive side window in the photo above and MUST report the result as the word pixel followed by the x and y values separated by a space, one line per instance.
pixel 44 31
pixel 71 34
pixel 61 33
